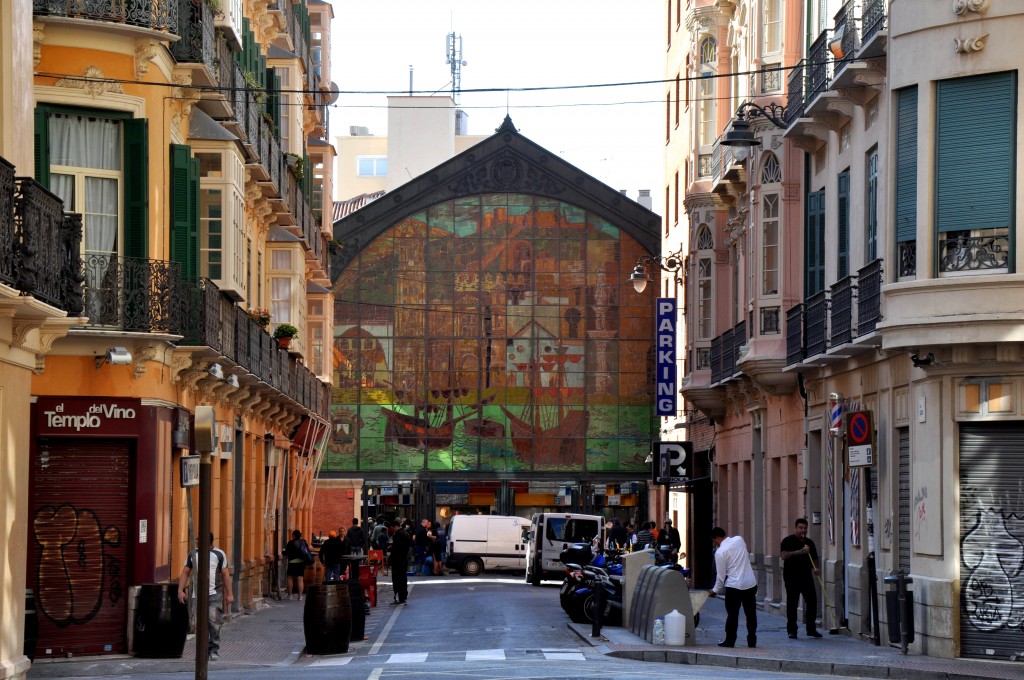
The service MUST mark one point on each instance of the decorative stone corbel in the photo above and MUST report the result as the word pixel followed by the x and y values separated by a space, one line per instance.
pixel 264 24
pixel 92 82
pixel 180 361
pixel 252 190
pixel 140 357
pixel 145 52
pixel 37 42
pixel 969 45
pixel 185 97
pixel 962 8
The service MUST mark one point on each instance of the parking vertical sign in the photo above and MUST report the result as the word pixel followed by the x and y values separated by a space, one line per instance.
pixel 665 382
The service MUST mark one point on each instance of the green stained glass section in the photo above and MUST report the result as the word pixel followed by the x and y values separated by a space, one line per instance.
pixel 493 333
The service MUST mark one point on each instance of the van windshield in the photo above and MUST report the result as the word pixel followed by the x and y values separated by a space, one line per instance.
pixel 571 530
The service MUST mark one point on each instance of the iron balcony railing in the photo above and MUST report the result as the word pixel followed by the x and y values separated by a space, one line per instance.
pixel 132 294
pixel 819 66
pixel 873 18
pixel 795 334
pixel 841 311
pixel 160 15
pixel 39 243
pixel 846 28
pixel 816 323
pixel 869 297
pixel 962 252
pixel 716 359
pixel 795 92
pixel 739 339
pixel 198 43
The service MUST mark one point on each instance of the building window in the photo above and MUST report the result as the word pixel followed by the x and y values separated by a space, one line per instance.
pixel 316 348
pixel 871 205
pixel 771 171
pixel 906 180
pixel 372 166
pixel 705 246
pixel 771 78
pixel 211 234
pixel 281 299
pixel 679 85
pixel 772 26
pixel 843 226
pixel 285 114
pixel 770 244
pixel 708 91
pixel 814 244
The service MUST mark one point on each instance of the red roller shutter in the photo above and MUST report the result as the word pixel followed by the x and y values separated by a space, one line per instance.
pixel 78 546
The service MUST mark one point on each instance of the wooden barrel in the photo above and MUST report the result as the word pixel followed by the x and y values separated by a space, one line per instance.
pixel 314 574
pixel 327 619
pixel 161 622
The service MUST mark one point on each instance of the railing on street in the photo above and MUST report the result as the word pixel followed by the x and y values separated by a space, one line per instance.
pixel 198 43
pixel 816 323
pixel 841 311
pixel 795 334
pixel 869 297
pixel 160 15
pixel 40 243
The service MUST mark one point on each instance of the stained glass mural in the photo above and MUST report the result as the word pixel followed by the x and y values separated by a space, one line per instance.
pixel 493 332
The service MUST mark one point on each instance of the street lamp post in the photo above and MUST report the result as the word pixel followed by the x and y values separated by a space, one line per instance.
pixel 740 134
pixel 673 264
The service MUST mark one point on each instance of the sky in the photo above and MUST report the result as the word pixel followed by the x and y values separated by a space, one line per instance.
pixel 615 134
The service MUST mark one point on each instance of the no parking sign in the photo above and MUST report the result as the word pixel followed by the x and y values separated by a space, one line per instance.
pixel 860 438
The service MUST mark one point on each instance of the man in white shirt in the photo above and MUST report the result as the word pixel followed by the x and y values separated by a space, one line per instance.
pixel 221 596
pixel 732 562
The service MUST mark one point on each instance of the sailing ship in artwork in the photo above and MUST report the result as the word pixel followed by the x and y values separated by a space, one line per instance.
pixel 431 425
pixel 547 431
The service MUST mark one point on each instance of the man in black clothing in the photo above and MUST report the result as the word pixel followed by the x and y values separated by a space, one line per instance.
pixel 800 564
pixel 421 544
pixel 356 538
pixel 618 539
pixel 670 537
pixel 398 560
pixel 331 552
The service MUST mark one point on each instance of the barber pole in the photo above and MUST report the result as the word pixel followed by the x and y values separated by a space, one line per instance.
pixel 835 412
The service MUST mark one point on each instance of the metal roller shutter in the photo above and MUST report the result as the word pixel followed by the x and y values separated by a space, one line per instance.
pixel 78 546
pixel 903 555
pixel 991 539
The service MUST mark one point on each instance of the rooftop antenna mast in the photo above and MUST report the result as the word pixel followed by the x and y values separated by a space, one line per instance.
pixel 456 62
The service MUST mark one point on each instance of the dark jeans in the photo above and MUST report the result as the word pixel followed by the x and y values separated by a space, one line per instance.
pixel 400 581
pixel 734 599
pixel 216 620
pixel 795 587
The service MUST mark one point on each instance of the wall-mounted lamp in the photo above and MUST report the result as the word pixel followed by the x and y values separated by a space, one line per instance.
pixel 922 361
pixel 216 371
pixel 115 356
pixel 740 134
pixel 233 380
pixel 672 263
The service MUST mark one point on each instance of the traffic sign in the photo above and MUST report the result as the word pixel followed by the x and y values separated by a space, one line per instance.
pixel 672 461
pixel 860 438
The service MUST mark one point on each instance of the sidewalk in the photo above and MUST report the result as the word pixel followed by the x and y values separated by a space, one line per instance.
pixel 830 655
pixel 270 636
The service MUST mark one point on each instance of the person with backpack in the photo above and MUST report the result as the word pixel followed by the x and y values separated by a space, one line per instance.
pixel 299 556
pixel 220 592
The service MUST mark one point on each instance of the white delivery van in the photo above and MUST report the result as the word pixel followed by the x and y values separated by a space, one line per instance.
pixel 478 542
pixel 552 532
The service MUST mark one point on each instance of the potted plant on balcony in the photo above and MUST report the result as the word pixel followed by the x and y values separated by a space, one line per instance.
pixel 261 317
pixel 284 334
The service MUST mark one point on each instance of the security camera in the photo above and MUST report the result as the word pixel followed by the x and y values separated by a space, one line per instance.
pixel 217 372
pixel 118 356
pixel 233 380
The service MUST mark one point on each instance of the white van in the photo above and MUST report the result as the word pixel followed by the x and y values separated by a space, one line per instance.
pixel 478 542
pixel 552 532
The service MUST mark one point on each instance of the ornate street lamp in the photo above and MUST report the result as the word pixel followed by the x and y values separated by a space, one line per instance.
pixel 740 134
pixel 672 263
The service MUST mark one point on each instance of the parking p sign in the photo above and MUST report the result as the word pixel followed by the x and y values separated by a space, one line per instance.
pixel 672 461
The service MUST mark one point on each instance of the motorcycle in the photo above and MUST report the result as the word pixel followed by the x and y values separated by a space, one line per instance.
pixel 583 601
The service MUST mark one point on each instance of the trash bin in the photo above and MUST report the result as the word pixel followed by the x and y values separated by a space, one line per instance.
pixel 31 625
pixel 161 622
pixel 892 608
pixel 327 618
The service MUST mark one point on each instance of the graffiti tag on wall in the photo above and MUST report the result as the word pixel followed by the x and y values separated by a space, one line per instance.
pixel 75 568
pixel 992 564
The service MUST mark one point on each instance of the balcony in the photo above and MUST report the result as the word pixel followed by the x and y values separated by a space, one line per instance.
pixel 41 243
pixel 874 28
pixel 837 323
pixel 140 17
pixel 134 295
pixel 198 43
pixel 726 353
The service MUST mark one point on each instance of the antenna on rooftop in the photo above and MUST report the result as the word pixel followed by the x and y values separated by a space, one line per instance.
pixel 455 60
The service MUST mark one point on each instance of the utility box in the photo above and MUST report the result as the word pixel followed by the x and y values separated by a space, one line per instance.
pixel 631 565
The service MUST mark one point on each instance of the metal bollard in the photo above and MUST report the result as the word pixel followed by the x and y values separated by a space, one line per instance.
pixel 599 594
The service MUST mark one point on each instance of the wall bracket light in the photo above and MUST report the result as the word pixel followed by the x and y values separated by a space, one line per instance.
pixel 115 356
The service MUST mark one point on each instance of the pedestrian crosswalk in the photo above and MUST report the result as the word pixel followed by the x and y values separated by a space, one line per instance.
pixel 468 655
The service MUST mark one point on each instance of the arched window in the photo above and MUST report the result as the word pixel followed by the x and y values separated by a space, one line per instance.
pixel 705 255
pixel 771 174
pixel 708 89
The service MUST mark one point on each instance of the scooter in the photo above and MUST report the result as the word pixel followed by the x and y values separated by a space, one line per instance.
pixel 582 603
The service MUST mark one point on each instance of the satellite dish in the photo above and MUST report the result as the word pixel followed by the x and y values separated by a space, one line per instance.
pixel 333 94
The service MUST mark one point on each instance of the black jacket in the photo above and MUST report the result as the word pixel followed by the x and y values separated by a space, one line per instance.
pixel 399 554
pixel 332 550
pixel 356 537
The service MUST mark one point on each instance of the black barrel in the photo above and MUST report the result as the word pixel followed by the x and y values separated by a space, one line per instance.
pixel 31 625
pixel 161 622
pixel 327 619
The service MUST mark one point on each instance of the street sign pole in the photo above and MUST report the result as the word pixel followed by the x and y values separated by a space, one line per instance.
pixel 205 444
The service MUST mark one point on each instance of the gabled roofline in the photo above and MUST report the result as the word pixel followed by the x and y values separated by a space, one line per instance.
pixel 505 162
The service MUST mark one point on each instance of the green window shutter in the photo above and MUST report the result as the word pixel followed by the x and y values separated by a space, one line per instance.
pixel 274 99
pixel 975 139
pixel 871 225
pixel 906 164
pixel 184 203
pixel 42 148
pixel 843 263
pixel 814 274
pixel 136 188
